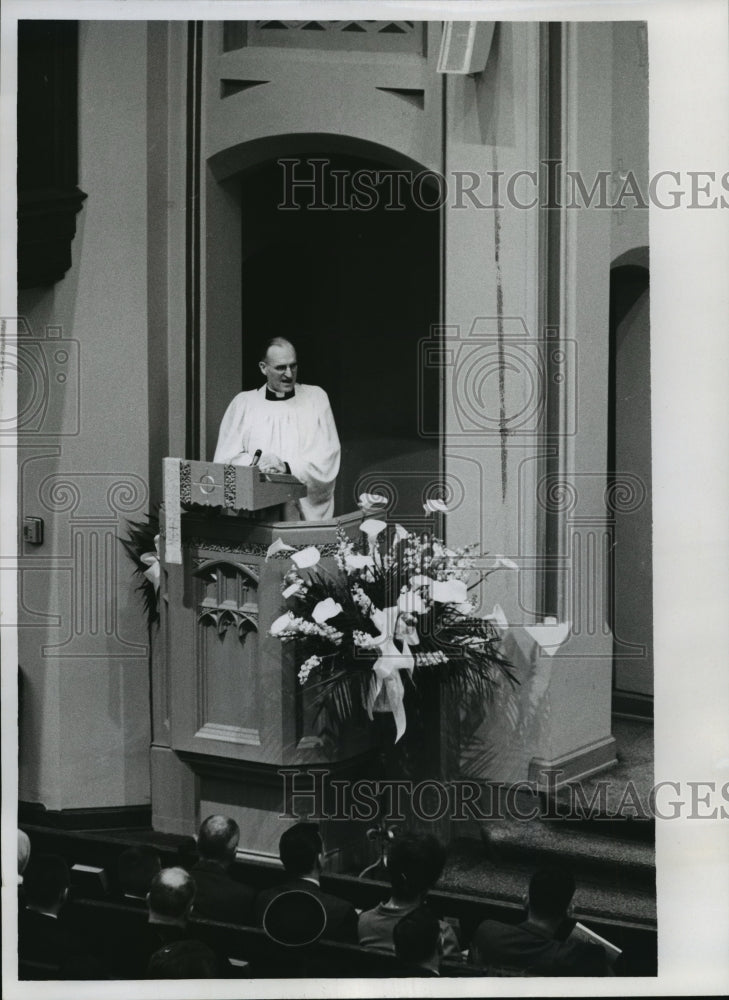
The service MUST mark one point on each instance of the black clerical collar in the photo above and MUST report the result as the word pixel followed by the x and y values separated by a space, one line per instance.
pixel 279 399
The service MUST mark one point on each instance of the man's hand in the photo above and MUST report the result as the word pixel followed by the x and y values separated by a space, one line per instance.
pixel 269 462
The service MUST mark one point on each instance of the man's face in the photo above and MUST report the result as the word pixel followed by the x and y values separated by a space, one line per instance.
pixel 280 368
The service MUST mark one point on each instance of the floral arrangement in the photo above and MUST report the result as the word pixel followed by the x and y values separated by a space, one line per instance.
pixel 394 612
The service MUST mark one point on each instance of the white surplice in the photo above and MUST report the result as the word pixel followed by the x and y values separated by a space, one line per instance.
pixel 300 431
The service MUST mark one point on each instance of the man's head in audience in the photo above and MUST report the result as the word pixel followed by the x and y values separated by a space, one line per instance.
pixel 414 865
pixel 217 840
pixel 183 960
pixel 46 883
pixel 550 894
pixel 170 897
pixel 136 868
pixel 417 939
pixel 300 849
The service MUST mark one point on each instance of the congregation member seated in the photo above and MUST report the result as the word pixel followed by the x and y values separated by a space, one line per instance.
pixel 538 946
pixel 136 867
pixel 169 903
pixel 414 865
pixel 218 896
pixel 417 942
pixel 185 959
pixel 44 936
pixel 302 853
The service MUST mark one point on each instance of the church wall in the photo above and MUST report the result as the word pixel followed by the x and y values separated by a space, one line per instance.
pixel 83 644
pixel 491 314
pixel 630 72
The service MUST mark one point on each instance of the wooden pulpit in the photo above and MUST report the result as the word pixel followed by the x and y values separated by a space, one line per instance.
pixel 229 712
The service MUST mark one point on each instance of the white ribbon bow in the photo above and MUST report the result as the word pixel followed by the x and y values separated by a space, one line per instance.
pixel 386 688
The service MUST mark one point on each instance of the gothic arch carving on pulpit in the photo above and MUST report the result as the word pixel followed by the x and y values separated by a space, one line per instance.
pixel 230 596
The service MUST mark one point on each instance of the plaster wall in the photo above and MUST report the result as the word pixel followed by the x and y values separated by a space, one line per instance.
pixel 83 644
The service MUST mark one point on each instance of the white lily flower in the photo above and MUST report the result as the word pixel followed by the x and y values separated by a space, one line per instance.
pixel 278 546
pixel 401 532
pixel 368 500
pixel 309 556
pixel 450 591
pixel 504 563
pixel 418 580
pixel 294 588
pixel 325 610
pixel 433 506
pixel 282 623
pixel 372 528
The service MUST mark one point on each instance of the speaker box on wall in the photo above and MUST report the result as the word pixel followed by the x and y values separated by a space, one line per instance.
pixel 465 46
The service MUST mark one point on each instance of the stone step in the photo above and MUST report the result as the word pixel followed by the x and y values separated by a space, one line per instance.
pixel 544 841
pixel 605 891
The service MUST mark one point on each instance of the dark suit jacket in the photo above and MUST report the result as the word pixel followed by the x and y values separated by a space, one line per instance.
pixel 341 916
pixel 528 948
pixel 51 940
pixel 219 897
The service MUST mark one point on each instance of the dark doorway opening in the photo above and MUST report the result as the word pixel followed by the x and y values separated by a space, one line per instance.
pixel 629 490
pixel 356 290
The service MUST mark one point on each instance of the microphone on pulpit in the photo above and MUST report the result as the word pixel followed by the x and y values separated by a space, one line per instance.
pixel 256 456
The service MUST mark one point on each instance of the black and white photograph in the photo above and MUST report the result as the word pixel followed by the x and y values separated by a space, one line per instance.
pixel 364 482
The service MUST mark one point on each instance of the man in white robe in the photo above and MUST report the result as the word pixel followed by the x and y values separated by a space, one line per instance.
pixel 292 426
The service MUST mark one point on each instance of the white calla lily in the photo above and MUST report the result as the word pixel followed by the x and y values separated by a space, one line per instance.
pixel 282 623
pixel 370 500
pixel 325 610
pixel 278 546
pixel 450 591
pixel 309 556
pixel 294 588
pixel 401 532
pixel 372 527
pixel 501 562
pixel 435 506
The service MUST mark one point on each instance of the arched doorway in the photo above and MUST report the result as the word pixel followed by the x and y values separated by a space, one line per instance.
pixel 357 289
pixel 629 491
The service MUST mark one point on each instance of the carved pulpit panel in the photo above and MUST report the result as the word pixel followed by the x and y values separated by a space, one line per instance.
pixel 227 652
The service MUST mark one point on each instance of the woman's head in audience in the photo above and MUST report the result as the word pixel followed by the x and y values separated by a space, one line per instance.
pixel 414 865
pixel 300 849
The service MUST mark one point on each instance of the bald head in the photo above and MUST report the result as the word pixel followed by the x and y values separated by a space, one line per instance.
pixel 171 894
pixel 279 365
pixel 218 839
